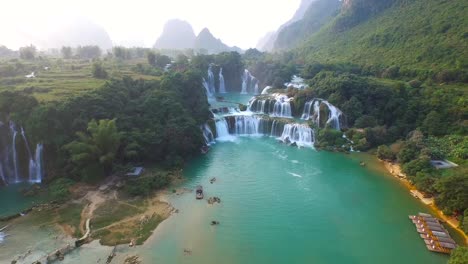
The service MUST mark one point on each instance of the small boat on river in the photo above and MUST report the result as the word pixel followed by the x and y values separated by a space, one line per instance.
pixel 199 192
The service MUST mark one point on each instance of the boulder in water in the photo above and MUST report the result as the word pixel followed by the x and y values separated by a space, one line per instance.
pixel 213 200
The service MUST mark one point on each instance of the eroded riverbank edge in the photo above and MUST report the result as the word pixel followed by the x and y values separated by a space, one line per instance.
pixel 131 221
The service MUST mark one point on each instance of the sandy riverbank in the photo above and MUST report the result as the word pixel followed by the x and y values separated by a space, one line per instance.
pixel 395 170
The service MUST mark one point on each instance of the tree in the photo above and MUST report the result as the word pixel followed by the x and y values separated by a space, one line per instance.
pixel 162 60
pixel 121 53
pixel 453 191
pixel 433 124
pixel 98 70
pixel 28 52
pixel 408 152
pixel 6 52
pixel 365 121
pixel 88 52
pixel 66 52
pixel 151 58
pixel 385 153
pixel 421 164
pixel 94 152
pixel 459 256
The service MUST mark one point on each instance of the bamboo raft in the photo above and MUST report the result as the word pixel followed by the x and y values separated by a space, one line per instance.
pixel 433 233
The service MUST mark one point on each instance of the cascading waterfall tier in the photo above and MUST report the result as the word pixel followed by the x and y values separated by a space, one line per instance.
pixel 229 127
pixel 249 83
pixel 298 134
pixel 222 85
pixel 207 134
pixel 13 166
pixel 312 111
pixel 209 96
pixel 276 105
pixel 297 83
pixel 211 80
pixel 266 89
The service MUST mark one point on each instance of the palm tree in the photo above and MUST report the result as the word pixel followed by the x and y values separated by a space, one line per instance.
pixel 97 148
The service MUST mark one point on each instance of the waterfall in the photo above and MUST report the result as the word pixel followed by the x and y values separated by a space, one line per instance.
pixel 248 125
pixel 249 83
pixel 334 113
pixel 297 83
pixel 282 108
pixel 266 89
pixel 317 112
pixel 275 129
pixel 258 106
pixel 279 106
pixel 26 142
pixel 228 128
pixel 299 134
pixel 222 86
pixel 333 116
pixel 245 81
pixel 35 166
pixel 222 130
pixel 306 112
pixel 2 174
pixel 207 134
pixel 211 81
pixel 10 162
pixel 209 95
pixel 15 156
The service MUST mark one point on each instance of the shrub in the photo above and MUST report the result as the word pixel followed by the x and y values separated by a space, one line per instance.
pixel 459 256
pixel 145 185
pixel 385 153
pixel 59 189
pixel 365 121
pixel 415 83
pixel 408 152
pixel 421 164
pixel 98 71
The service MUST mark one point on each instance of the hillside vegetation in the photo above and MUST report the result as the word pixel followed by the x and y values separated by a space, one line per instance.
pixel 414 35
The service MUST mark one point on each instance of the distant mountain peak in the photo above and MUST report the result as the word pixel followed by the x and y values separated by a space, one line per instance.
pixel 177 34
pixel 205 31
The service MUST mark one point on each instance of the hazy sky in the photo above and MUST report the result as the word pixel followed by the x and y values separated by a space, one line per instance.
pixel 140 22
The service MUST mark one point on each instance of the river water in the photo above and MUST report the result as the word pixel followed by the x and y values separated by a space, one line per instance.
pixel 282 204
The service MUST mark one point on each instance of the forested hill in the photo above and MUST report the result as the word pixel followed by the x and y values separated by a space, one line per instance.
pixel 413 34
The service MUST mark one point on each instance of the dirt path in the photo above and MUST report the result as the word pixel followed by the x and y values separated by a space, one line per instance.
pixel 95 198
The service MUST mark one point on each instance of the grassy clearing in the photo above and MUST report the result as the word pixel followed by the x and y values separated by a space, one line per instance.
pixel 111 212
pixel 66 78
pixel 71 215
pixel 124 233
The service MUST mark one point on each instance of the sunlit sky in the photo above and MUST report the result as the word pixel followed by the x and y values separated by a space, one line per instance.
pixel 140 22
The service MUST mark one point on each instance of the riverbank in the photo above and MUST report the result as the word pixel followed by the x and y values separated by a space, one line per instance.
pixel 395 170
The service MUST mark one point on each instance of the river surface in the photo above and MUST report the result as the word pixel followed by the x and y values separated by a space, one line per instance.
pixel 281 204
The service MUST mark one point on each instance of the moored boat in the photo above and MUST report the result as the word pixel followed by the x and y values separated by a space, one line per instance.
pixel 199 192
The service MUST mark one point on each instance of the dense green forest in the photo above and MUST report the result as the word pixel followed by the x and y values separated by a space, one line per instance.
pixel 125 121
pixel 421 38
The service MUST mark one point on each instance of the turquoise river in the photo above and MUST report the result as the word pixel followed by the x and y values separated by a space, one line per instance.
pixel 279 204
